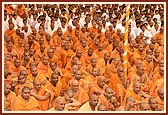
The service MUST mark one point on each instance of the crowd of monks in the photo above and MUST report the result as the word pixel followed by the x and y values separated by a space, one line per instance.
pixel 69 57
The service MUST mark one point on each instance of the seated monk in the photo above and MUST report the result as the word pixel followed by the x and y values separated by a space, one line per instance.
pixel 9 97
pixel 99 87
pixel 91 105
pixel 55 85
pixel 42 94
pixel 59 104
pixel 79 93
pixel 22 81
pixel 25 102
pixel 137 93
pixel 82 82
pixel 160 98
pixel 106 97
pixel 71 103
pixel 153 104
pixel 129 106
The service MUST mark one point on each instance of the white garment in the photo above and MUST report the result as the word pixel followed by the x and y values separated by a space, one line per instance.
pixel 50 31
pixel 146 33
pixel 154 31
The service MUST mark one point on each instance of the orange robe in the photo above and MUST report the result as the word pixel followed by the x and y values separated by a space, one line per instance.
pixel 65 80
pixel 20 50
pixel 159 35
pixel 43 69
pixel 156 77
pixel 157 84
pixel 43 104
pixel 81 96
pixel 38 55
pixel 9 33
pixel 105 102
pixel 18 87
pixel 23 105
pixel 148 67
pixel 88 58
pixel 9 100
pixel 115 36
pixel 9 9
pixel 15 71
pixel 101 63
pixel 115 54
pixel 100 54
pixel 20 11
pixel 116 84
pixel 133 94
pixel 93 29
pixel 39 76
pixel 138 55
pixel 95 87
pixel 110 71
pixel 64 56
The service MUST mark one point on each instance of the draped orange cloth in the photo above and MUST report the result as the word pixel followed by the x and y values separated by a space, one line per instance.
pixel 43 104
pixel 9 100
pixel 81 96
pixel 23 105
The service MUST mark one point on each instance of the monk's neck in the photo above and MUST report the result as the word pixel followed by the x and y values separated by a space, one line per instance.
pixel 6 94
pixel 139 74
pixel 54 84
pixel 92 107
pixel 107 97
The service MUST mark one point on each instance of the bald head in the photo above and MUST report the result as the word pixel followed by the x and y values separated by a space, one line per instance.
pixel 101 81
pixel 160 92
pixel 93 100
pixel 75 85
pixel 130 99
pixel 144 106
pixel 136 87
pixel 59 104
pixel 101 107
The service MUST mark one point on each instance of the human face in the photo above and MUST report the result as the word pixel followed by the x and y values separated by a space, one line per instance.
pixel 94 101
pixel 54 78
pixel 90 52
pixel 53 66
pixel 161 71
pixel 145 107
pixel 78 53
pixel 37 85
pixel 50 53
pixel 109 94
pixel 22 79
pixel 78 75
pixel 107 56
pixel 137 88
pixel 34 71
pixel 141 48
pixel 17 63
pixel 7 89
pixel 60 105
pixel 95 72
pixel 161 94
pixel 75 86
pixel 93 62
pixel 153 104
pixel 45 60
pixel 26 94
pixel 101 82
